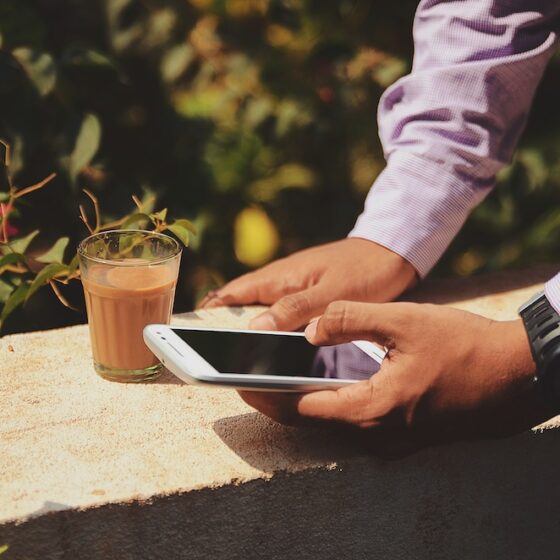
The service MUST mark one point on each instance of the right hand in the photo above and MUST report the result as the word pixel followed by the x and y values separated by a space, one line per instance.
pixel 480 381
pixel 300 287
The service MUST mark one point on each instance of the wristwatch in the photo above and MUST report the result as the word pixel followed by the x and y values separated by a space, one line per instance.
pixel 542 323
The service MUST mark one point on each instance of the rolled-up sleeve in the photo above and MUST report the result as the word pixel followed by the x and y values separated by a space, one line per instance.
pixel 450 125
pixel 552 291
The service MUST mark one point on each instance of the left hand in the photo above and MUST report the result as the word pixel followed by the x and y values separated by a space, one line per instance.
pixel 447 373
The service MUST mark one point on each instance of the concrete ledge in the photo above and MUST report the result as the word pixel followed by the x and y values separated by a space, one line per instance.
pixel 92 469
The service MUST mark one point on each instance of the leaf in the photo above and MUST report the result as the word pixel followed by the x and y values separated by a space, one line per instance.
pixel 161 215
pixel 7 152
pixel 74 263
pixel 39 67
pixel 50 271
pixel 289 175
pixel 181 232
pixel 16 298
pixel 176 61
pixel 86 145
pixel 187 224
pixel 258 109
pixel 13 158
pixel 82 57
pixel 123 31
pixel 20 245
pixel 4 547
pixel 55 253
pixel 535 167
pixel 11 258
pixel 5 290
pixel 135 219
pixel 389 72
pixel 4 196
pixel 128 242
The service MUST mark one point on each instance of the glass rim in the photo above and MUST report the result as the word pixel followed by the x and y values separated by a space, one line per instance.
pixel 81 247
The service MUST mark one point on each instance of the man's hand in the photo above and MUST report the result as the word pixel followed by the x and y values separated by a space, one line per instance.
pixel 447 372
pixel 300 286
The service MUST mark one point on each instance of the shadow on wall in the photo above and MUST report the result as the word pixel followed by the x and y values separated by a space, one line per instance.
pixel 272 447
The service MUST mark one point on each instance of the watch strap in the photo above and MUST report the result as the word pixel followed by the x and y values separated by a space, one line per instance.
pixel 542 323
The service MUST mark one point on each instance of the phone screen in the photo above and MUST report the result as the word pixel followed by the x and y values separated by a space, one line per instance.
pixel 278 355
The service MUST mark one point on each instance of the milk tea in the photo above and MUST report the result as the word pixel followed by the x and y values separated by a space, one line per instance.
pixel 121 300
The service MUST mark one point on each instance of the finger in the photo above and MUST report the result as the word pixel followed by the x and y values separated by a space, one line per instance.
pixel 281 407
pixel 366 404
pixel 293 311
pixel 205 301
pixel 266 285
pixel 241 291
pixel 345 321
pixel 255 287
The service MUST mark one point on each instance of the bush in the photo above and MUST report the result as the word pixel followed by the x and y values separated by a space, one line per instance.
pixel 254 118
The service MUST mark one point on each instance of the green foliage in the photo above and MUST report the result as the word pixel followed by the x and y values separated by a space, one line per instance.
pixel 16 296
pixel 39 67
pixel 20 278
pixel 47 274
pixel 220 106
pixel 180 231
pixel 56 253
pixel 21 244
pixel 85 145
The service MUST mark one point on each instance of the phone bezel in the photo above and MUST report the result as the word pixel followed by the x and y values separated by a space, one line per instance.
pixel 187 364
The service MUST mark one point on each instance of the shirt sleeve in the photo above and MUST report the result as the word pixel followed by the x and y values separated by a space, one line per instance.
pixel 450 125
pixel 552 292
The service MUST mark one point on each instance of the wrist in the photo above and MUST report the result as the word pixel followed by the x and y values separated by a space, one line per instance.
pixel 397 270
pixel 521 356
pixel 521 347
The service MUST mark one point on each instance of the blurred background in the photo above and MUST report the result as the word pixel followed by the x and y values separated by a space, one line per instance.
pixel 254 118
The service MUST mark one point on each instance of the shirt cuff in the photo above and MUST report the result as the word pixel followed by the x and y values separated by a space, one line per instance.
pixel 552 292
pixel 416 207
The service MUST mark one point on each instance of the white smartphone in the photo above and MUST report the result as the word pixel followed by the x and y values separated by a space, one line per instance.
pixel 259 360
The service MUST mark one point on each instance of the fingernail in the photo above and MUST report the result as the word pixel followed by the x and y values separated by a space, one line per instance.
pixel 264 322
pixel 311 329
pixel 211 295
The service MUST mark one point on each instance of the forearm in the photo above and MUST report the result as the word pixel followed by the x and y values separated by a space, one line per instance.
pixel 453 123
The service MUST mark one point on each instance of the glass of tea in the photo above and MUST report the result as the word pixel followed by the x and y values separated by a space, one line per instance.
pixel 129 279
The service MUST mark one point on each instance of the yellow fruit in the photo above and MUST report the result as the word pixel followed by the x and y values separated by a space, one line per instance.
pixel 255 237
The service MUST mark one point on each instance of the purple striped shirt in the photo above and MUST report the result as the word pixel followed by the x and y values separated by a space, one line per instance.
pixel 450 125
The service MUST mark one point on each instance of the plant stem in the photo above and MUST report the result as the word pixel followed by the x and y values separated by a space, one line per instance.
pixel 93 198
pixel 35 187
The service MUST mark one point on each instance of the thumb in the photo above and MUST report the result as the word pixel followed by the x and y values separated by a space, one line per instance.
pixel 292 311
pixel 345 321
pixel 367 404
